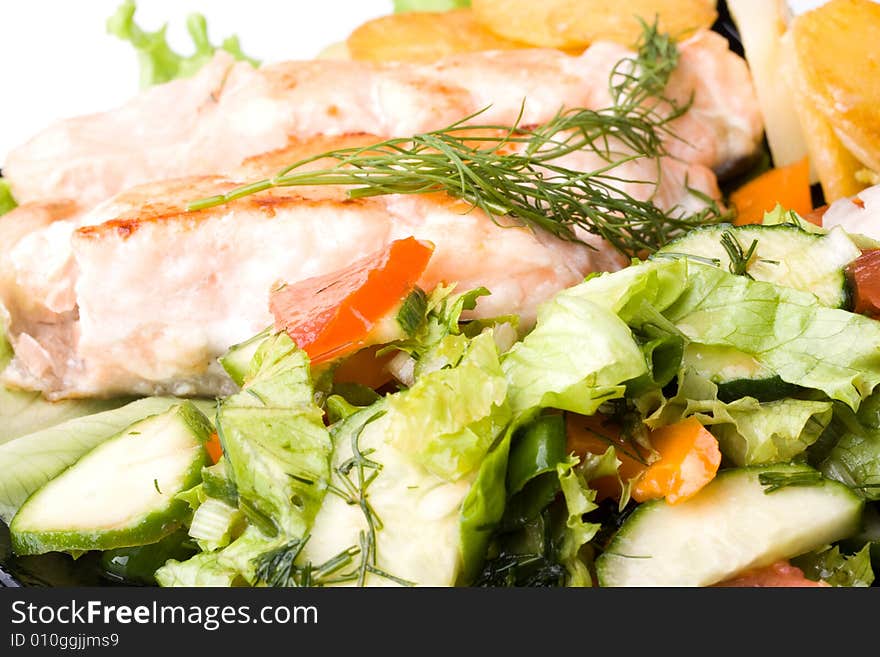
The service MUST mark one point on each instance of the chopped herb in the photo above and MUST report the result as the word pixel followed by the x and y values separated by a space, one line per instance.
pixel 509 170
pixel 774 481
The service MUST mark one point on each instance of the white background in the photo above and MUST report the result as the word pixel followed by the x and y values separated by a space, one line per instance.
pixel 57 60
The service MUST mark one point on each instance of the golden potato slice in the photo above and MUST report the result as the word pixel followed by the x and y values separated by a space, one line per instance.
pixel 571 24
pixel 423 37
pixel 836 167
pixel 836 50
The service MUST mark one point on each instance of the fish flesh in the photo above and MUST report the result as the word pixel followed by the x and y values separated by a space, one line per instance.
pixel 210 123
pixel 140 296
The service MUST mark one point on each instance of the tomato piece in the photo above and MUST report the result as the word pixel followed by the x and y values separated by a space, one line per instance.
pixel 332 315
pixel 864 274
pixel 788 186
pixel 214 448
pixel 779 574
pixel 689 459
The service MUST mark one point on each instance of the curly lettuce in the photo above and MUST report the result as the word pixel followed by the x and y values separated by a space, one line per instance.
pixel 7 201
pixel 158 62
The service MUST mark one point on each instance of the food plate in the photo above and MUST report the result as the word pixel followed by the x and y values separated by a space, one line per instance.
pixel 476 339
pixel 55 569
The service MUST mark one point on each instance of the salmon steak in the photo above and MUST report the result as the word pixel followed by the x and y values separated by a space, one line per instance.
pixel 124 291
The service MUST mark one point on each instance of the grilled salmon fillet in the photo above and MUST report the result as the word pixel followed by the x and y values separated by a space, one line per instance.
pixel 229 111
pixel 139 296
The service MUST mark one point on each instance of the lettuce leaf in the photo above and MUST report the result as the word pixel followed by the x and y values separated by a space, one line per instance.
pixel 829 565
pixel 483 508
pixel 580 499
pixel 203 569
pixel 449 418
pixel 854 458
pixel 429 5
pixel 787 331
pixel 7 201
pixel 779 215
pixel 274 438
pixel 749 432
pixel 578 356
pixel 158 62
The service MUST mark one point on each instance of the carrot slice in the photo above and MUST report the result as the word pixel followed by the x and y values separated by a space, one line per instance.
pixel 214 448
pixel 332 315
pixel 864 274
pixel 689 459
pixel 788 186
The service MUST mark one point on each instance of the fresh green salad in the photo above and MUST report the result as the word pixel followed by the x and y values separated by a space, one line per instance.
pixel 566 456
pixel 708 415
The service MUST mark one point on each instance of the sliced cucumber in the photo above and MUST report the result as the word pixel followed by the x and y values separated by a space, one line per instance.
pixel 122 493
pixel 736 374
pixel 785 255
pixel 237 360
pixel 731 525
pixel 29 462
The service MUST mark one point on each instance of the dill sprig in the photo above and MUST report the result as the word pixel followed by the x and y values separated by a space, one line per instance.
pixel 510 171
pixel 355 476
pixel 739 257
pixel 773 481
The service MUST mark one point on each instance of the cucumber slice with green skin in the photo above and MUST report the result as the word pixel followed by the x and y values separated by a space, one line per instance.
pixel 122 493
pixel 736 374
pixel 237 360
pixel 785 255
pixel 730 526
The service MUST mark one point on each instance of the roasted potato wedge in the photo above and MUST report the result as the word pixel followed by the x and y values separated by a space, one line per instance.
pixel 423 37
pixel 833 62
pixel 571 24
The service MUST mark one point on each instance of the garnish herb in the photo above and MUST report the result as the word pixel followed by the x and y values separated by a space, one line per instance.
pixel 509 171
pixel 774 481
pixel 739 257
pixel 355 476
pixel 412 312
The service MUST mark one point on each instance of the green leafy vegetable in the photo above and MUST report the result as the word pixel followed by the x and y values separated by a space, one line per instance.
pixel 7 201
pixel 578 357
pixel 449 418
pixel 579 500
pixel 274 438
pixel 435 339
pixel 829 565
pixel 779 215
pixel 749 432
pixel 158 62
pixel 854 455
pixel 483 508
pixel 785 330
pixel 538 450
